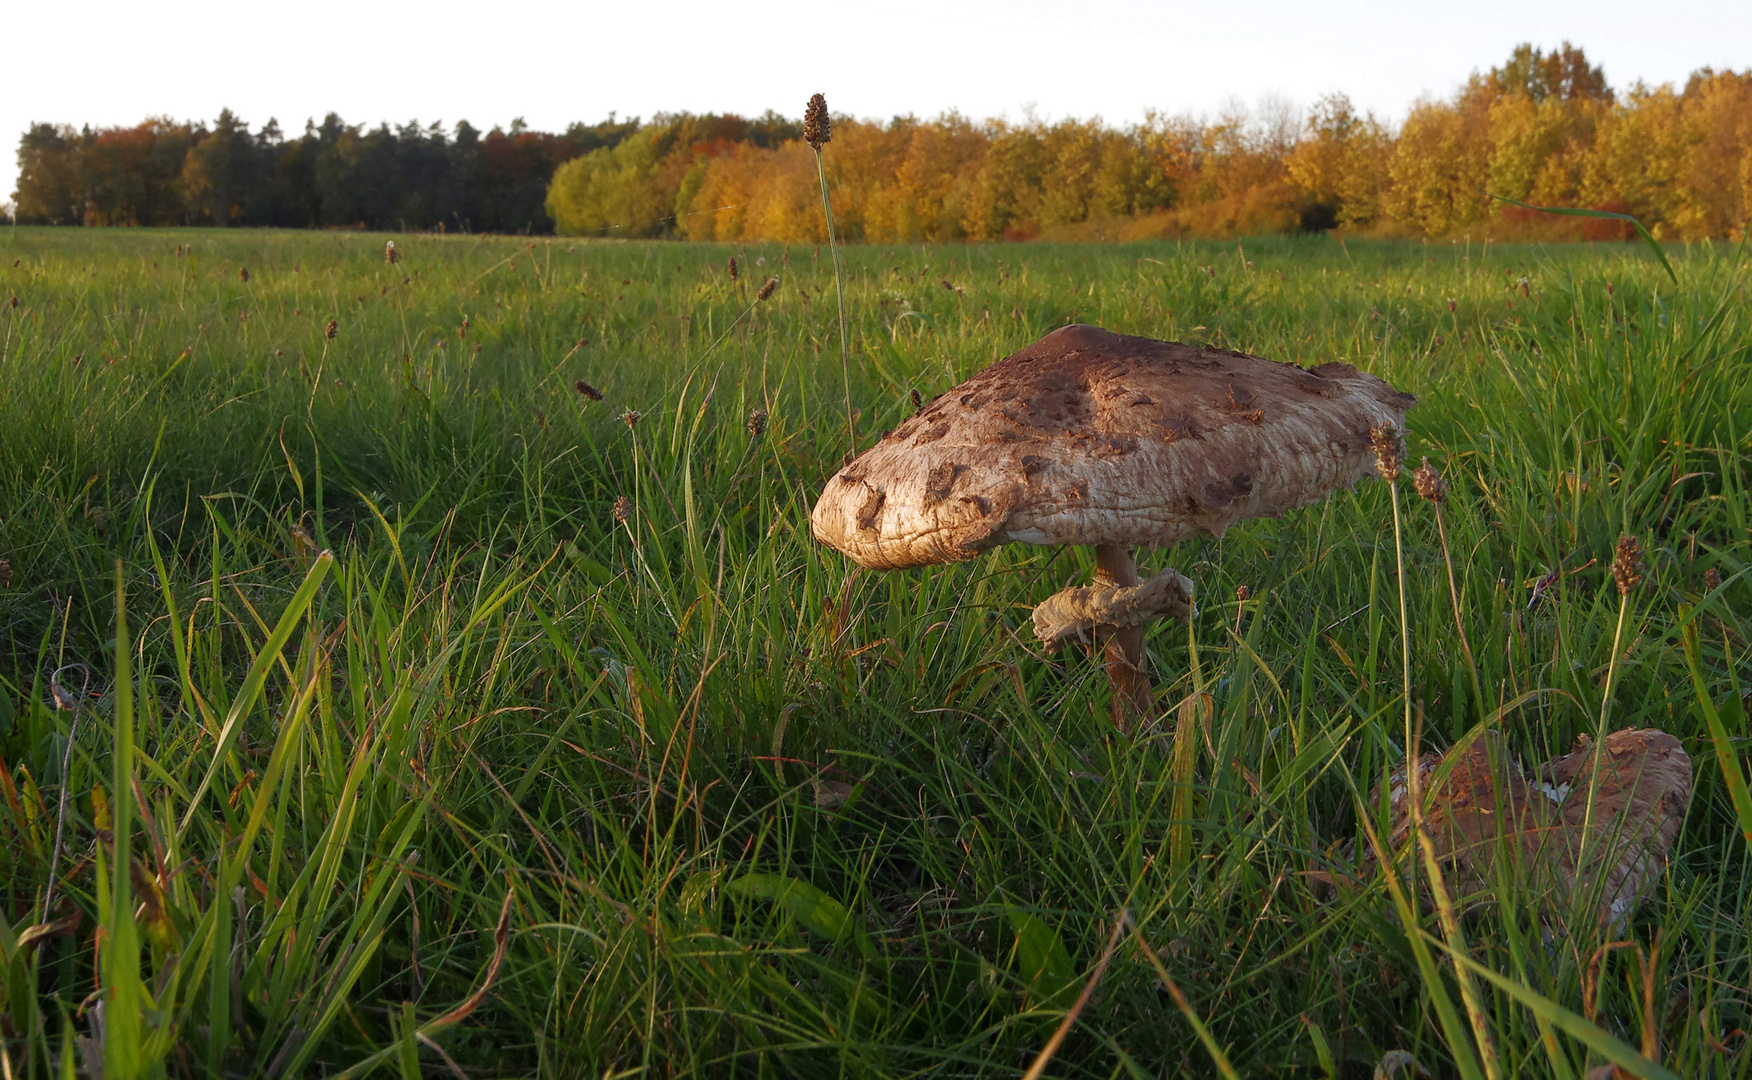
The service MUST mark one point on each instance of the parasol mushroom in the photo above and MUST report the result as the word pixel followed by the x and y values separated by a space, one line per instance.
pixel 1639 806
pixel 1091 437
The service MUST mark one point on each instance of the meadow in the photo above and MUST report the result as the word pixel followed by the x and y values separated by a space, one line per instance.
pixel 425 753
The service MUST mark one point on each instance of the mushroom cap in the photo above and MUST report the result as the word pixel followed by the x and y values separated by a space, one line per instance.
pixel 1639 805
pixel 1092 437
pixel 1484 798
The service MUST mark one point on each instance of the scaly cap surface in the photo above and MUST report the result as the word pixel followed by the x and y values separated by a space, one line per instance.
pixel 1091 437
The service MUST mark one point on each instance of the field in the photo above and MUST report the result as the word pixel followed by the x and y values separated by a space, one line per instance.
pixel 511 783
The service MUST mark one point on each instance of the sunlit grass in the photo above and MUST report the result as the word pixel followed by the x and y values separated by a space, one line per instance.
pixel 756 811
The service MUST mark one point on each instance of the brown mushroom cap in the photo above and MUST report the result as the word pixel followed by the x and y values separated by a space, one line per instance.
pixel 1639 805
pixel 1092 437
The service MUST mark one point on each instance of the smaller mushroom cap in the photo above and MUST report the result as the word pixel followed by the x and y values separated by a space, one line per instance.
pixel 1092 437
pixel 1639 805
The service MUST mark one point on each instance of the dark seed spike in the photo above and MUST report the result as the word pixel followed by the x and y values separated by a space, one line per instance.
pixel 817 125
pixel 1427 479
pixel 1627 564
pixel 1389 451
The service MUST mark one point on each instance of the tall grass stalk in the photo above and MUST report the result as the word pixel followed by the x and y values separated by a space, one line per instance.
pixel 1459 621
pixel 839 292
pixel 1627 575
pixel 1388 463
pixel 71 702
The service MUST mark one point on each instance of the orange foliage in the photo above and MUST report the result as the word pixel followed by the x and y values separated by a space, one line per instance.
pixel 1543 129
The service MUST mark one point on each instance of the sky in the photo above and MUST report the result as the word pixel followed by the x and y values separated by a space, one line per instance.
pixel 108 63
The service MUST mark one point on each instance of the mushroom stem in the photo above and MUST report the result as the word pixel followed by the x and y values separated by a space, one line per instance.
pixel 1133 701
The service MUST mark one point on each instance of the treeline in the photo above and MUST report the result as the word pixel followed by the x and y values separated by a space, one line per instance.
pixel 164 172
pixel 1542 128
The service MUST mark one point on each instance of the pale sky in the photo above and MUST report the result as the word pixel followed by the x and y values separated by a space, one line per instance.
pixel 106 63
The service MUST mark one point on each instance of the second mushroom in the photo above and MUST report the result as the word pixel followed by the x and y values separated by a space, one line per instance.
pixel 1111 441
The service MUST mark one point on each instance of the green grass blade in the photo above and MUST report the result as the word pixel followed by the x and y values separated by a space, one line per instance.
pixel 1045 962
pixel 1611 1048
pixel 1718 735
pixel 257 677
pixel 1453 1028
pixel 1573 211
pixel 822 914
pixel 125 999
pixel 1218 1055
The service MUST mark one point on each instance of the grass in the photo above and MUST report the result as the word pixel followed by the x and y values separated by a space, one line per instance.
pixel 505 785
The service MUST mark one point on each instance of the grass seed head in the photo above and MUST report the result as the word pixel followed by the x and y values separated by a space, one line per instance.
pixel 1712 579
pixel 589 392
pixel 12 302
pixel 817 127
pixel 63 697
pixel 623 509
pixel 1389 447
pixel 631 417
pixel 331 330
pixel 734 273
pixel 1627 564
pixel 390 254
pixel 1242 593
pixel 5 573
pixel 757 422
pixel 767 289
pixel 1427 479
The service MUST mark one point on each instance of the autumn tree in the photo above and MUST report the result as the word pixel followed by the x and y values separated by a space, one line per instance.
pixel 1564 74
pixel 48 176
pixel 1714 172
pixel 1004 202
pixel 1340 164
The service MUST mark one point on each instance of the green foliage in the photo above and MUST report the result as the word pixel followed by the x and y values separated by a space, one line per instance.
pixel 162 172
pixel 509 778
pixel 820 913
pixel 608 192
pixel 1042 960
